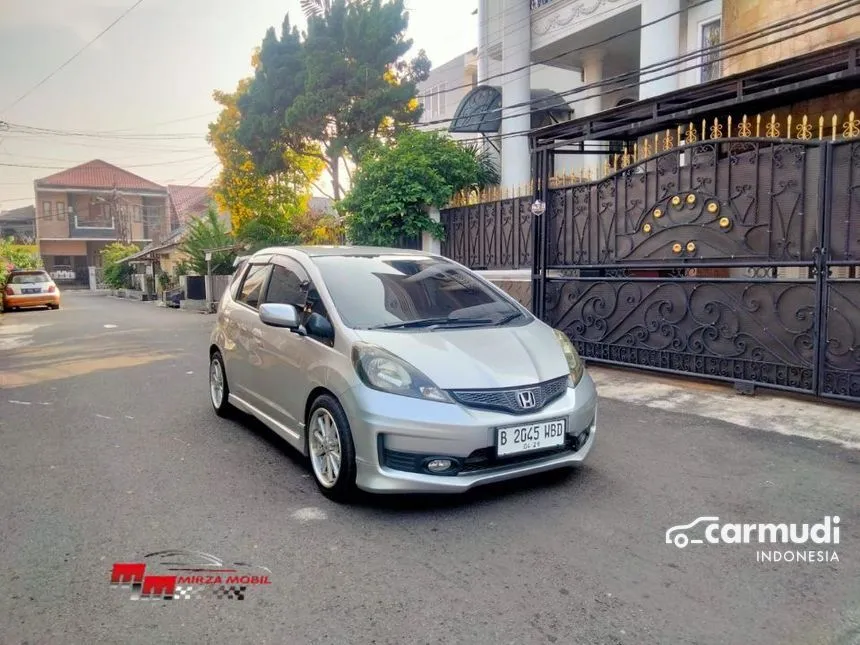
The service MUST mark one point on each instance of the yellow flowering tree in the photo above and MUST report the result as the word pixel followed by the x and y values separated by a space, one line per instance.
pixel 249 195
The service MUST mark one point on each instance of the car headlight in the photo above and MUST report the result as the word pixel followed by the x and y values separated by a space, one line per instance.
pixel 383 371
pixel 574 362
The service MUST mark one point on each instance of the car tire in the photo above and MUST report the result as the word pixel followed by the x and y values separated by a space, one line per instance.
pixel 333 468
pixel 219 391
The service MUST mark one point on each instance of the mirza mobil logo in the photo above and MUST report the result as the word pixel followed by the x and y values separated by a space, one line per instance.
pixel 183 575
pixel 785 542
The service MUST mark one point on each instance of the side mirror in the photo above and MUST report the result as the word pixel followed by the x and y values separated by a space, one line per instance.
pixel 319 327
pixel 278 315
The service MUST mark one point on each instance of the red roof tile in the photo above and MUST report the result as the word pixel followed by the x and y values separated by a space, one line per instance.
pixel 98 174
pixel 187 202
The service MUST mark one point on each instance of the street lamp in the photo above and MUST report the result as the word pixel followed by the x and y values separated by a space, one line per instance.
pixel 538 208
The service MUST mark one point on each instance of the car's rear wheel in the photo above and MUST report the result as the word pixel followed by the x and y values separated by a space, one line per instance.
pixel 219 391
pixel 331 449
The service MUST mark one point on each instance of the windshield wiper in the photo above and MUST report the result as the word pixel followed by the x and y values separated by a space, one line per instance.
pixel 506 319
pixel 434 322
pixel 463 322
pixel 406 324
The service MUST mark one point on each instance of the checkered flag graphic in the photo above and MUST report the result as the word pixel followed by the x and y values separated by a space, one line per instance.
pixel 231 592
pixel 187 593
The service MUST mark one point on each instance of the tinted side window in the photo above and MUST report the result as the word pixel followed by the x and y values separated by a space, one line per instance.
pixel 237 280
pixel 286 287
pixel 252 287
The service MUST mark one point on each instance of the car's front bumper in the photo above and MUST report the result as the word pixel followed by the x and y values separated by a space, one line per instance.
pixel 385 424
pixel 31 300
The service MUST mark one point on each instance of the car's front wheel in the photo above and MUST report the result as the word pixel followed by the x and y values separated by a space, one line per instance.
pixel 219 391
pixel 331 449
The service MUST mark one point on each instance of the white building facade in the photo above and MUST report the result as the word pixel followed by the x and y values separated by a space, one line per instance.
pixel 443 90
pixel 589 55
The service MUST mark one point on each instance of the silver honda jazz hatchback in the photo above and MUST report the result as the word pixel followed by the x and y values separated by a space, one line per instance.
pixel 397 371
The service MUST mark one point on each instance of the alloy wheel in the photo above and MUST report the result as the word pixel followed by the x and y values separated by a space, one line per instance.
pixel 216 382
pixel 324 447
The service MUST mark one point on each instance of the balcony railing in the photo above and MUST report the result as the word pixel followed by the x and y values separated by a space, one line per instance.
pixel 100 223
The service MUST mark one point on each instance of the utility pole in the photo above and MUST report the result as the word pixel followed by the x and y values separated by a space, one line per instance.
pixel 120 212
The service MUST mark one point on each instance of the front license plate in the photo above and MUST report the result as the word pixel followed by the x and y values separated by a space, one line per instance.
pixel 542 435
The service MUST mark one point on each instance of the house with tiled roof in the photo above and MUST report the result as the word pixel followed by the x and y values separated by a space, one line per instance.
pixel 184 205
pixel 19 224
pixel 81 210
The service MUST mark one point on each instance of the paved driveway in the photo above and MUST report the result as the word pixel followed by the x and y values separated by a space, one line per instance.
pixel 109 450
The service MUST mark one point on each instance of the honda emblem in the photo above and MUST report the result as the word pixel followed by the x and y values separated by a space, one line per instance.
pixel 526 399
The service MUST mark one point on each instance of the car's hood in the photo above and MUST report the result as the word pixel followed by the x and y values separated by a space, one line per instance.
pixel 482 358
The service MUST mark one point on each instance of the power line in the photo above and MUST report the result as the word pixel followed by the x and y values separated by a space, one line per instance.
pixel 205 172
pixel 575 50
pixel 672 73
pixel 668 64
pixel 118 134
pixel 73 57
pixel 140 165
pixel 160 123
pixel 168 136
pixel 28 158
pixel 117 145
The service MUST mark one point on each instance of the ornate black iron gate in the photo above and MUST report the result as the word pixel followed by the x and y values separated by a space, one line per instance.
pixel 731 258
pixel 490 235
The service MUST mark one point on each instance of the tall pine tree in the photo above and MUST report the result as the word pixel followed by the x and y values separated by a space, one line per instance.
pixel 330 92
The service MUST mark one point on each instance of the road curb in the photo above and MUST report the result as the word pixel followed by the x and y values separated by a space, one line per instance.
pixel 768 411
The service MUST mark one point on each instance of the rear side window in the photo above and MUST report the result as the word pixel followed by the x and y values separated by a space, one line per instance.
pixel 236 280
pixel 30 278
pixel 252 287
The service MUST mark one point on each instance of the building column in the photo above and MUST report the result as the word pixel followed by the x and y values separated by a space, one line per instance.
pixel 592 69
pixel 483 41
pixel 659 43
pixel 516 91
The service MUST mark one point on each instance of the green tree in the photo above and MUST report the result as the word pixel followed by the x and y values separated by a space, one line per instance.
pixel 272 228
pixel 118 275
pixel 20 256
pixel 395 185
pixel 209 234
pixel 241 189
pixel 335 88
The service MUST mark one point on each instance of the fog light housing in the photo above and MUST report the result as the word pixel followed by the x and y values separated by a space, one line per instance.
pixel 439 465
pixel 582 438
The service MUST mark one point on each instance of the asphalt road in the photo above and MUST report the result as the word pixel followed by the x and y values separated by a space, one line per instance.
pixel 109 450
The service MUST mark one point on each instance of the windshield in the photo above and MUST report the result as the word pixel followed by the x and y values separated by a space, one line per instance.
pixel 29 278
pixel 400 291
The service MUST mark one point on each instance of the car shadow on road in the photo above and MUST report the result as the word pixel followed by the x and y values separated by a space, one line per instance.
pixel 567 478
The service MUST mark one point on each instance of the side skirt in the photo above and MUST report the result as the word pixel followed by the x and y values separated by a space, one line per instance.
pixel 295 439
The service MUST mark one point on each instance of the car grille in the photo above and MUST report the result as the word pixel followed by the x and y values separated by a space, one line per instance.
pixel 506 400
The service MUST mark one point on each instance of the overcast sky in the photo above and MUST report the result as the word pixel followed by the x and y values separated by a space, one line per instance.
pixel 160 63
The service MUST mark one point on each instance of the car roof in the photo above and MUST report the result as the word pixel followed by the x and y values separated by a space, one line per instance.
pixel 339 251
